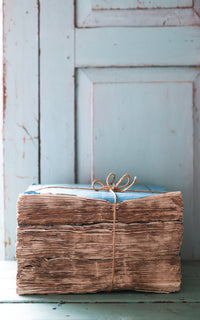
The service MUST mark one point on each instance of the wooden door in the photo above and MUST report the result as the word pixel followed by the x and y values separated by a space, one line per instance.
pixel 105 86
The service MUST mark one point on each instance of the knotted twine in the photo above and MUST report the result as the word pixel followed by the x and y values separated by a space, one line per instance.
pixel 113 188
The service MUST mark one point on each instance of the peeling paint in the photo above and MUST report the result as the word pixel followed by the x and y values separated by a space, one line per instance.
pixel 26 130
pixel 4 90
pixel 38 6
pixel 21 177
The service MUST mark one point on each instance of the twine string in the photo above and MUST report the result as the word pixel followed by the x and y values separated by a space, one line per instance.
pixel 113 188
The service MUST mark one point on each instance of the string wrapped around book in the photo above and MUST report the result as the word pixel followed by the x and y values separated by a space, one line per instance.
pixel 112 187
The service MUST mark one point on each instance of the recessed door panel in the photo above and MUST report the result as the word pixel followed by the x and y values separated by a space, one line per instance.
pixel 139 121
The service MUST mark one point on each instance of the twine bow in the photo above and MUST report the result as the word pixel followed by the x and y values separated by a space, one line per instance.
pixel 112 187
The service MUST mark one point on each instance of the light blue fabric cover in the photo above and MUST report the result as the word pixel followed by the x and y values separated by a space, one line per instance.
pixel 106 195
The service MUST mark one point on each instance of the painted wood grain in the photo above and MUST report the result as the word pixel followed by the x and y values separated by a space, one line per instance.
pixel 106 47
pixel 52 31
pixel 196 130
pixel 2 230
pixel 136 4
pixel 94 13
pixel 112 311
pixel 20 108
pixel 57 91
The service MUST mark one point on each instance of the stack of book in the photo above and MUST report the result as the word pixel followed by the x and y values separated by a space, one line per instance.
pixel 65 240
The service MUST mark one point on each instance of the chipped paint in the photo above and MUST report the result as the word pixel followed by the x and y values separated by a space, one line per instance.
pixel 19 106
pixel 21 177
pixel 4 90
pixel 26 130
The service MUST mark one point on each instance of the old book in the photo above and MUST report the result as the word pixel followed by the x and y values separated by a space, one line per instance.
pixel 65 240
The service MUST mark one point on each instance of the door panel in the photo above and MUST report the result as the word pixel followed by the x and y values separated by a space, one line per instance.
pixel 136 4
pixel 19 126
pixel 101 13
pixel 139 121
pixel 99 86
pixel 56 91
pixel 137 47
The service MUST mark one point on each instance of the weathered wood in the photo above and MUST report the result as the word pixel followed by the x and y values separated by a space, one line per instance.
pixel 95 13
pixel 135 4
pixel 59 275
pixel 2 191
pixel 57 91
pixel 125 47
pixel 101 311
pixel 45 209
pixel 20 114
pixel 95 241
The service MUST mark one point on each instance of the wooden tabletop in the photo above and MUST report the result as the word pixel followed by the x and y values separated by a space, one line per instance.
pixel 118 305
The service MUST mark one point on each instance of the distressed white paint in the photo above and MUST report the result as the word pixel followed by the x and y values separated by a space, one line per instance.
pixel 142 122
pixel 89 15
pixel 139 4
pixel 196 197
pixel 21 108
pixel 103 96
pixel 138 47
pixel 2 248
pixel 84 127
pixel 57 91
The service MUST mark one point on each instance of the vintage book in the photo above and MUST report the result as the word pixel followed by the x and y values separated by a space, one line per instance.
pixel 66 242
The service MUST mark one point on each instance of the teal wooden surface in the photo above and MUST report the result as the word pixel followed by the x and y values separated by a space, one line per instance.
pixel 148 111
pixel 135 4
pixel 95 13
pixel 119 305
pixel 20 111
pixel 57 91
pixel 2 234
pixel 103 311
pixel 47 105
pixel 108 47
